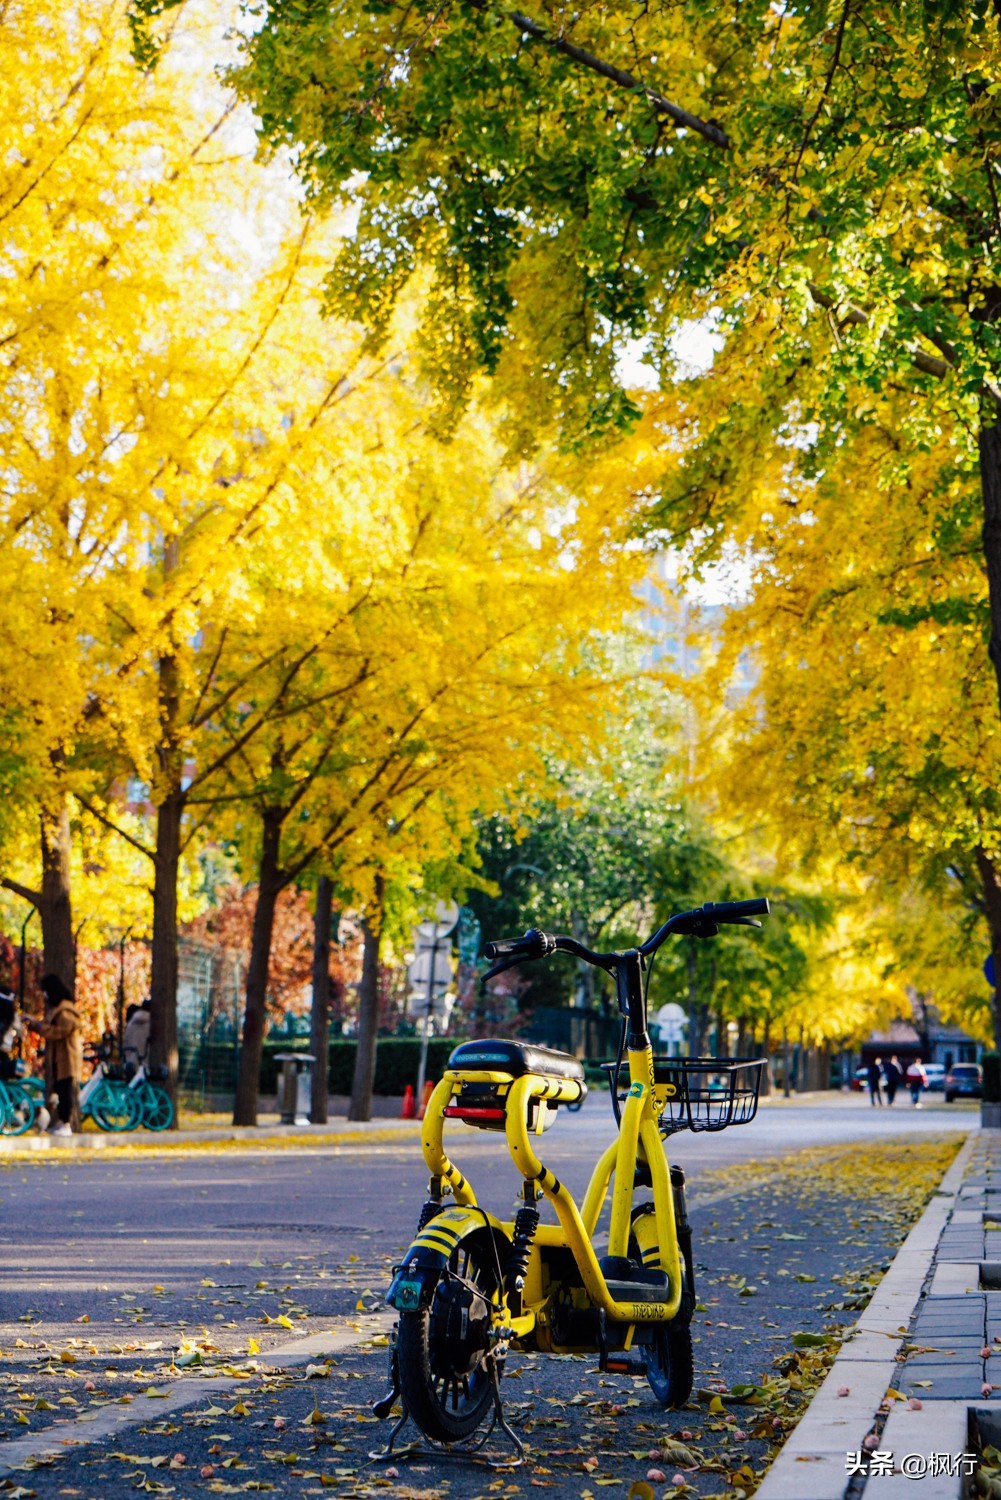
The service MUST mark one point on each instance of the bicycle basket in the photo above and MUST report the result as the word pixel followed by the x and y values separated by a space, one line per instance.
pixel 702 1093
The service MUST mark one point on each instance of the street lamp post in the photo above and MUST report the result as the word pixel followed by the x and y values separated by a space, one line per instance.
pixel 24 954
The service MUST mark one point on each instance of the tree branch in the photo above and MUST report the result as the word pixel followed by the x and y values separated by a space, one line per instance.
pixel 681 117
pixel 940 368
pixel 34 897
pixel 101 817
pixel 839 39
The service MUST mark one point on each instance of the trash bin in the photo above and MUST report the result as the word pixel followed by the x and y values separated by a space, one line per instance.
pixel 295 1086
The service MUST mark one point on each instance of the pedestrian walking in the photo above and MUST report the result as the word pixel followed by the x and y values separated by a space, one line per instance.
pixel 892 1073
pixel 917 1079
pixel 61 1031
pixel 873 1074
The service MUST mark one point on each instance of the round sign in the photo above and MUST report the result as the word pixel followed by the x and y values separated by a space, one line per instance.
pixel 446 914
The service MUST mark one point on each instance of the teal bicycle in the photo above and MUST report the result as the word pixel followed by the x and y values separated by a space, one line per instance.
pixel 18 1105
pixel 155 1104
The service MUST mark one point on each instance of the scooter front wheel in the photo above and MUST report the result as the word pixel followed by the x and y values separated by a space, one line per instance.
pixel 670 1366
pixel 444 1378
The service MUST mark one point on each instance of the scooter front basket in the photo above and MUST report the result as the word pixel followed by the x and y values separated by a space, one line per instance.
pixel 697 1093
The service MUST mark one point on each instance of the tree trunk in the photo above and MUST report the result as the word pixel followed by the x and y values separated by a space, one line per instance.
pixel 698 1012
pixel 170 800
pixel 990 480
pixel 163 950
pixel 319 1028
pixel 360 1107
pixel 55 906
pixel 766 1053
pixel 786 1079
pixel 990 880
pixel 268 885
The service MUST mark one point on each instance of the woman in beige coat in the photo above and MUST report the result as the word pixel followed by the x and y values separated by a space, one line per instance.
pixel 62 1033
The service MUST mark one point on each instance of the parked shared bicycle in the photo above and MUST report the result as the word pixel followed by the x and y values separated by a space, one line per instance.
pixel 116 1101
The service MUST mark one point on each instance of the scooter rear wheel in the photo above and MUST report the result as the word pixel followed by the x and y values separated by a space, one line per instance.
pixel 444 1379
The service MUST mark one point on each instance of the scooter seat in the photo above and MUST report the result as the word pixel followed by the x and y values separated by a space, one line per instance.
pixel 516 1058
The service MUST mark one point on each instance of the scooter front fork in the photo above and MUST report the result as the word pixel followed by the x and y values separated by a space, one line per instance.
pixel 683 1227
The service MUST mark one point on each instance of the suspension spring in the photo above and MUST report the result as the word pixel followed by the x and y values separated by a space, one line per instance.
pixel 525 1224
pixel 431 1207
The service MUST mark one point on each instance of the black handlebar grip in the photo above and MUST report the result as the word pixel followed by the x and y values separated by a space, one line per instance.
pixel 756 907
pixel 534 944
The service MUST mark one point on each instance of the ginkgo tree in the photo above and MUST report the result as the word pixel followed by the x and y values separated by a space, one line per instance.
pixel 869 734
pixel 151 347
pixel 454 642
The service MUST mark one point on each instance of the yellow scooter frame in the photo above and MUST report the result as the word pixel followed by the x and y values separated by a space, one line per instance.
pixel 638 1141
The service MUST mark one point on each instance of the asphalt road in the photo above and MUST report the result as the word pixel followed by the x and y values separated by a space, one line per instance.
pixel 109 1264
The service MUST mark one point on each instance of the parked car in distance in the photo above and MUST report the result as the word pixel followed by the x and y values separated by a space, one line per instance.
pixel 935 1073
pixel 963 1080
pixel 860 1079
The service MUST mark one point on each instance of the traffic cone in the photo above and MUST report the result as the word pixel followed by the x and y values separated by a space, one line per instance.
pixel 428 1091
pixel 408 1112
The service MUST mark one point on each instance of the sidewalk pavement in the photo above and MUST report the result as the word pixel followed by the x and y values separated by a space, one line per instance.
pixel 932 1336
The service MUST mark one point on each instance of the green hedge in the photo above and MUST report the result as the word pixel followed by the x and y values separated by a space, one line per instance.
pixel 397 1058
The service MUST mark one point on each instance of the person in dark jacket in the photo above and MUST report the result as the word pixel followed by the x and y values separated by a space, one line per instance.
pixel 892 1073
pixel 873 1075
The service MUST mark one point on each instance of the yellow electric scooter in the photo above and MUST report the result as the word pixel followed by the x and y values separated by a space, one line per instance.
pixel 471 1286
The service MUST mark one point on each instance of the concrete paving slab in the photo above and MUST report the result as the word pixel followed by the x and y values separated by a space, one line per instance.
pixel 913 1437
pixel 91 1427
pixel 955 1277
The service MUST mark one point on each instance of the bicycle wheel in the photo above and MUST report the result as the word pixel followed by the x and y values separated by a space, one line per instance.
pixel 115 1108
pixel 444 1380
pixel 157 1108
pixel 17 1109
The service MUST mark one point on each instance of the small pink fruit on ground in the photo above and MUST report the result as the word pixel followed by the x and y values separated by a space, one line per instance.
pixel 656 1476
pixel 206 1471
pixel 844 1390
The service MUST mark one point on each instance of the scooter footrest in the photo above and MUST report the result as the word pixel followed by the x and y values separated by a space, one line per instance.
pixel 638 1291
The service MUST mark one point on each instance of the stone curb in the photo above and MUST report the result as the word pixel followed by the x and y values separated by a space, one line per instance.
pixel 172 1140
pixel 811 1465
